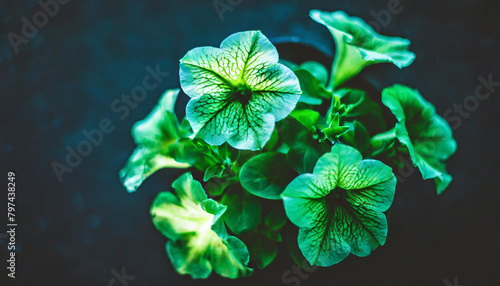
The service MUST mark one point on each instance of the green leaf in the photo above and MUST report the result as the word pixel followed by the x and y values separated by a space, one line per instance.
pixel 243 210
pixel 427 135
pixel 276 219
pixel 263 251
pixel 306 117
pixel 227 154
pixel 304 149
pixel 357 137
pixel 317 70
pixel 214 171
pixel 272 235
pixel 266 175
pixel 155 136
pixel 217 186
pixel 198 241
pixel 383 143
pixel 339 207
pixel 313 90
pixel 334 129
pixel 362 109
pixel 237 92
pixel 358 46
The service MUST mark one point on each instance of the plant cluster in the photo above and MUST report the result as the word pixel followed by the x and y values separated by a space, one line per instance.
pixel 284 151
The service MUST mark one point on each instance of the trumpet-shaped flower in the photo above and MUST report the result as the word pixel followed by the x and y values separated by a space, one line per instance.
pixel 238 91
pixel 339 207
pixel 358 46
pixel 427 135
pixel 198 240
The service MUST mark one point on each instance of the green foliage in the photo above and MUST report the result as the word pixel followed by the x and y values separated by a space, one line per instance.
pixel 286 154
pixel 313 77
pixel 362 109
pixel 243 211
pixel 266 175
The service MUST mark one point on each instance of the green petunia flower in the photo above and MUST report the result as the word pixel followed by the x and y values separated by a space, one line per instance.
pixel 237 92
pixel 198 240
pixel 358 46
pixel 427 135
pixel 157 137
pixel 339 207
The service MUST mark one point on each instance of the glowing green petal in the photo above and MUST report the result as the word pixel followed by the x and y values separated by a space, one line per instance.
pixel 154 135
pixel 237 92
pixel 143 163
pixel 427 135
pixel 358 46
pixel 339 207
pixel 198 240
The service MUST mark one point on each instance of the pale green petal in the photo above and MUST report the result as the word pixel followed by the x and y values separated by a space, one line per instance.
pixel 188 259
pixel 427 135
pixel 241 126
pixel 321 244
pixel 155 136
pixel 249 53
pixel 238 91
pixel 198 240
pixel 229 255
pixel 181 214
pixel 199 75
pixel 309 186
pixel 161 126
pixel 366 173
pixel 358 45
pixel 339 208
pixel 188 189
pixel 376 195
pixel 361 228
pixel 336 165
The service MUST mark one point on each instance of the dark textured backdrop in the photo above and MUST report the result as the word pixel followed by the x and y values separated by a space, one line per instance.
pixel 64 80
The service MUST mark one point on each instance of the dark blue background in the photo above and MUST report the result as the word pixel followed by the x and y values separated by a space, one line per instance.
pixel 75 232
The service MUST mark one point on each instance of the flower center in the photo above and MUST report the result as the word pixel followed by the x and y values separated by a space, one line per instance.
pixel 242 93
pixel 336 194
